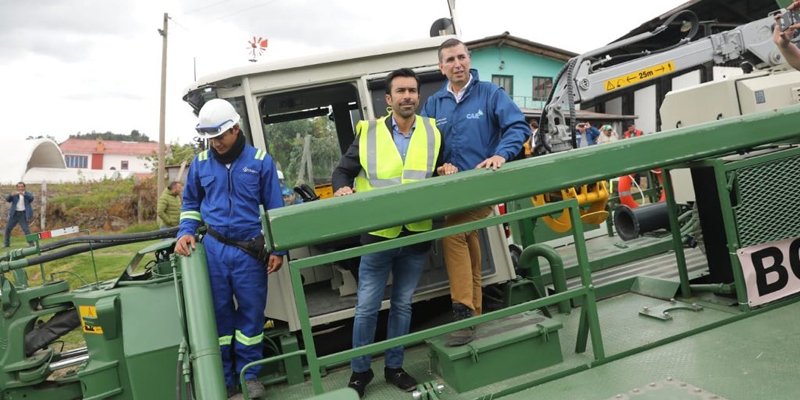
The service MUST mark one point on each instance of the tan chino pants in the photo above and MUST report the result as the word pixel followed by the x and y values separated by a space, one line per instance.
pixel 462 256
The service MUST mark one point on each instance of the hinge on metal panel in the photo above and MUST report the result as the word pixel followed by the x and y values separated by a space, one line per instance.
pixel 473 352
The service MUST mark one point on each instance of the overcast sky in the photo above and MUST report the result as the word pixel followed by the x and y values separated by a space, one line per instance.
pixel 83 65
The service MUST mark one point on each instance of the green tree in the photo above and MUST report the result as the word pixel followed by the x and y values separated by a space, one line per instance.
pixel 41 137
pixel 134 136
pixel 176 154
pixel 286 142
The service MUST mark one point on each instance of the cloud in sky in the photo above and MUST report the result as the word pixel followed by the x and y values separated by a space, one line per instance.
pixel 84 65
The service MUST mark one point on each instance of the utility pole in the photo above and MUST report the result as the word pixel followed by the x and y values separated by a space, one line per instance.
pixel 161 122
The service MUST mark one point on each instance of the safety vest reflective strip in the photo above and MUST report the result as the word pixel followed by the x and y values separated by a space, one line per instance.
pixel 202 156
pixel 260 155
pixel 372 158
pixel 249 341
pixel 390 162
pixel 225 340
pixel 191 215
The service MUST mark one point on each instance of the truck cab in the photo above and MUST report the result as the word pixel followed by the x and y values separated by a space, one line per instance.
pixel 304 112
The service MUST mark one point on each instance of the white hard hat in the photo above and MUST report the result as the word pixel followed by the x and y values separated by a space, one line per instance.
pixel 215 118
pixel 280 175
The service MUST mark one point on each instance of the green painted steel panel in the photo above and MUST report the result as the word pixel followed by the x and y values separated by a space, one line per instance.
pixel 330 219
pixel 502 349
pixel 751 359
pixel 140 362
pixel 151 335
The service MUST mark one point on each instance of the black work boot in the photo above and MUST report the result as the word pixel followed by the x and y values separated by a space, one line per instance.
pixel 255 389
pixel 400 378
pixel 463 336
pixel 360 380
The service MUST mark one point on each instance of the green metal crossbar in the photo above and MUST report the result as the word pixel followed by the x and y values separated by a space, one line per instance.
pixel 340 217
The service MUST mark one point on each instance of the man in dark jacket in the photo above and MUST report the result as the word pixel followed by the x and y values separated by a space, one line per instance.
pixel 19 213
pixel 481 128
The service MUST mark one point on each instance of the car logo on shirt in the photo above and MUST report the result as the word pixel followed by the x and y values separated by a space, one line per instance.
pixel 476 115
pixel 248 170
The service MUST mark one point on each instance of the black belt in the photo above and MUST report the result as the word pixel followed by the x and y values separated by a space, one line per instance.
pixel 254 247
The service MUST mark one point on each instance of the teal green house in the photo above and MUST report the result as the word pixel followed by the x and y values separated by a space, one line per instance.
pixel 525 69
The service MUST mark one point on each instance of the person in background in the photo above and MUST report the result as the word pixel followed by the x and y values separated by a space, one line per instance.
pixel 632 131
pixel 169 205
pixel 588 134
pixel 530 144
pixel 784 39
pixel 19 213
pixel 289 197
pixel 607 135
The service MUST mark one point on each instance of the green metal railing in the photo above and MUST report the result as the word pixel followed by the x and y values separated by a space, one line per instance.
pixel 336 218
pixel 589 323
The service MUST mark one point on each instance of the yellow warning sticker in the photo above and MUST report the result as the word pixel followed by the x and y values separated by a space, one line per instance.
pixel 89 327
pixel 639 76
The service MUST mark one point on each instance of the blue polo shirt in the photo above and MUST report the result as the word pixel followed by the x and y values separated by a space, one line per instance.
pixel 402 140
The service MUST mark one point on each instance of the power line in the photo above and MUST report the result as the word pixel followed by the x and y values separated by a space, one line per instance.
pixel 205 7
pixel 219 18
pixel 179 24
pixel 238 12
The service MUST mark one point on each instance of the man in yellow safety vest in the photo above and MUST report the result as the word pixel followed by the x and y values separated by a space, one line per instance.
pixel 399 148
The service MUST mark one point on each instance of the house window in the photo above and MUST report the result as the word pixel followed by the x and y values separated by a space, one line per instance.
pixel 504 81
pixel 123 165
pixel 76 161
pixel 541 87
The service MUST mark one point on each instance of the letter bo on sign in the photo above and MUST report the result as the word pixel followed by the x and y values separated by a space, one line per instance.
pixel 771 270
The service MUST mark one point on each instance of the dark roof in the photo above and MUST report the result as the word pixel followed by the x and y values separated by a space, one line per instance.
pixel 87 146
pixel 506 39
pixel 715 16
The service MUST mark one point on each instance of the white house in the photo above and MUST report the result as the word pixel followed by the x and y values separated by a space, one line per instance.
pixel 40 160
pixel 108 155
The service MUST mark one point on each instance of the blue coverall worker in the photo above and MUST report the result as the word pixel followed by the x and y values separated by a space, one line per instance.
pixel 19 212
pixel 396 149
pixel 224 188
pixel 481 128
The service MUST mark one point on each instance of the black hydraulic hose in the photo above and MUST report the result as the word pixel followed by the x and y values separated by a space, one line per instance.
pixel 544 127
pixel 189 391
pixel 178 381
pixel 118 239
pixel 571 99
pixel 44 258
pixel 695 21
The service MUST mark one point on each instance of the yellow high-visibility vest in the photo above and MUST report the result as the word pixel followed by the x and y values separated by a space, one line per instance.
pixel 382 166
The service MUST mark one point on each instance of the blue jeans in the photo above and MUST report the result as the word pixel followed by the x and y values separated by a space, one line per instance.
pixel 18 217
pixel 405 264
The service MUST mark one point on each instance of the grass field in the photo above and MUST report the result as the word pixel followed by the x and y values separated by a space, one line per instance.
pixel 79 269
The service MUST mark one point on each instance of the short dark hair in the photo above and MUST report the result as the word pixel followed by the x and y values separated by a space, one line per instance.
pixel 406 72
pixel 534 124
pixel 448 44
pixel 172 184
pixel 21 183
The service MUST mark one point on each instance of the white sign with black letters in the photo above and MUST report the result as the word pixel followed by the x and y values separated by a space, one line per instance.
pixel 771 270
